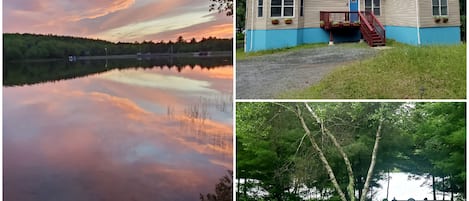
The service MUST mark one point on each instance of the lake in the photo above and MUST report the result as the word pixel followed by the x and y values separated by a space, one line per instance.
pixel 116 130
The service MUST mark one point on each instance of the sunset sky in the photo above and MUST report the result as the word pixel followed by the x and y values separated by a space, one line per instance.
pixel 116 20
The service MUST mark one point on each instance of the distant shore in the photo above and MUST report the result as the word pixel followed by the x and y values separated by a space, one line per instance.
pixel 157 55
pixel 209 54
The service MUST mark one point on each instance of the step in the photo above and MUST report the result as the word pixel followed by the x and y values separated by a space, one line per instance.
pixel 379 44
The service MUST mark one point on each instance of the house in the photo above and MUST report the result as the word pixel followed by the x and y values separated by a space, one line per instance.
pixel 281 23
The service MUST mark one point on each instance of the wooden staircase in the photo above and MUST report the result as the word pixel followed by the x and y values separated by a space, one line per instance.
pixel 372 30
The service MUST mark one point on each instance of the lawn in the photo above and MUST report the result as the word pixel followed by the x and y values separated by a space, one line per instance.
pixel 241 55
pixel 403 72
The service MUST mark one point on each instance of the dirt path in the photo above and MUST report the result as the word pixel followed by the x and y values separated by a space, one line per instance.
pixel 265 77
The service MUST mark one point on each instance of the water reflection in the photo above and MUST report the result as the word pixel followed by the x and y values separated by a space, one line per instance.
pixel 113 137
pixel 21 73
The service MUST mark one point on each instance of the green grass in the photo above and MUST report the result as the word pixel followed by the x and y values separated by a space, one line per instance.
pixel 403 72
pixel 241 55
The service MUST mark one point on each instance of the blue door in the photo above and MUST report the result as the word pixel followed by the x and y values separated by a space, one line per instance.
pixel 353 8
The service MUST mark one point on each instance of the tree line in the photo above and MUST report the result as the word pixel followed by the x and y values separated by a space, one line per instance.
pixel 342 150
pixel 36 46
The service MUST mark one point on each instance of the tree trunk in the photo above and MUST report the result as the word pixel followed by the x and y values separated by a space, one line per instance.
pixel 387 190
pixel 360 193
pixel 324 130
pixel 245 193
pixel 443 183
pixel 321 156
pixel 373 161
pixel 434 187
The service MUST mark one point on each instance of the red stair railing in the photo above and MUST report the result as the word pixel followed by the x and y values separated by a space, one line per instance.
pixel 378 27
pixel 366 29
pixel 372 30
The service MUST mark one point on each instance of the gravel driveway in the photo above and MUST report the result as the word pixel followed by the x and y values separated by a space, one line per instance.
pixel 265 77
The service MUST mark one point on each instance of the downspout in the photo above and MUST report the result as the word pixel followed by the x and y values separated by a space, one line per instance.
pixel 252 24
pixel 418 21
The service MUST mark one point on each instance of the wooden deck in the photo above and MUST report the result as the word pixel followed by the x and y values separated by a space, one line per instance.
pixel 339 20
pixel 372 30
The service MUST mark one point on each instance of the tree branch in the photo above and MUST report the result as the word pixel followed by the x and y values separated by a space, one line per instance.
pixel 321 156
pixel 351 184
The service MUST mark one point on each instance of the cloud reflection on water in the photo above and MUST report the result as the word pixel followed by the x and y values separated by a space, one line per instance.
pixel 85 140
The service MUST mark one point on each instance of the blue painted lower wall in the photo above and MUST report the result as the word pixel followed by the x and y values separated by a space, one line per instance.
pixel 279 38
pixel 428 35
pixel 440 35
pixel 402 34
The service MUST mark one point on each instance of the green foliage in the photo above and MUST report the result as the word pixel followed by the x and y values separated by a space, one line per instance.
pixel 418 138
pixel 240 16
pixel 223 190
pixel 35 46
pixel 440 141
pixel 265 146
pixel 269 140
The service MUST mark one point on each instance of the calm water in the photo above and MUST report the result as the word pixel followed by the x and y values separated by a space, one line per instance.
pixel 127 134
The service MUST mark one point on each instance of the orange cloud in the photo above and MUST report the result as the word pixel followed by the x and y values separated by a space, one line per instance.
pixel 221 31
pixel 98 19
pixel 149 11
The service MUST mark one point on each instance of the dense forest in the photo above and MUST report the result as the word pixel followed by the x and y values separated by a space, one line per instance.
pixel 35 46
pixel 341 150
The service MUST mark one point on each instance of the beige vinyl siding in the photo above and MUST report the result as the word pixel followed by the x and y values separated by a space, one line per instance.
pixel 393 12
pixel 400 13
pixel 310 16
pixel 383 10
pixel 259 22
pixel 313 8
pixel 426 14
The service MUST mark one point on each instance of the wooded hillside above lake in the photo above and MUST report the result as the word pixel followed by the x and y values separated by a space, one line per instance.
pixel 35 46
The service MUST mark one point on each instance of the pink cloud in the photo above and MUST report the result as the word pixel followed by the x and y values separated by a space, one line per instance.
pixel 221 27
pixel 88 18
pixel 94 154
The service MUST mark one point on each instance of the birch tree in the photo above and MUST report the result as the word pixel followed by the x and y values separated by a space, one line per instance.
pixel 379 116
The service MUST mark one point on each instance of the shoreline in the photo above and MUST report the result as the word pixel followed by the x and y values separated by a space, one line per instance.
pixel 207 54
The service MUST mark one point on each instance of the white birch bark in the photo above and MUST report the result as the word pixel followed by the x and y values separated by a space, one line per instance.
pixel 373 162
pixel 322 157
pixel 325 131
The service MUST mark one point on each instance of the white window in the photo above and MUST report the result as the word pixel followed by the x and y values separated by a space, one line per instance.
pixel 440 7
pixel 373 6
pixel 260 7
pixel 281 8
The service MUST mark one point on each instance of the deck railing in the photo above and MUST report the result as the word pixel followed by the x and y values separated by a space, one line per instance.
pixel 332 19
pixel 367 22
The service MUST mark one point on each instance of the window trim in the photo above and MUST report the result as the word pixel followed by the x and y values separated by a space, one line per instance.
pixel 373 7
pixel 282 9
pixel 439 9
